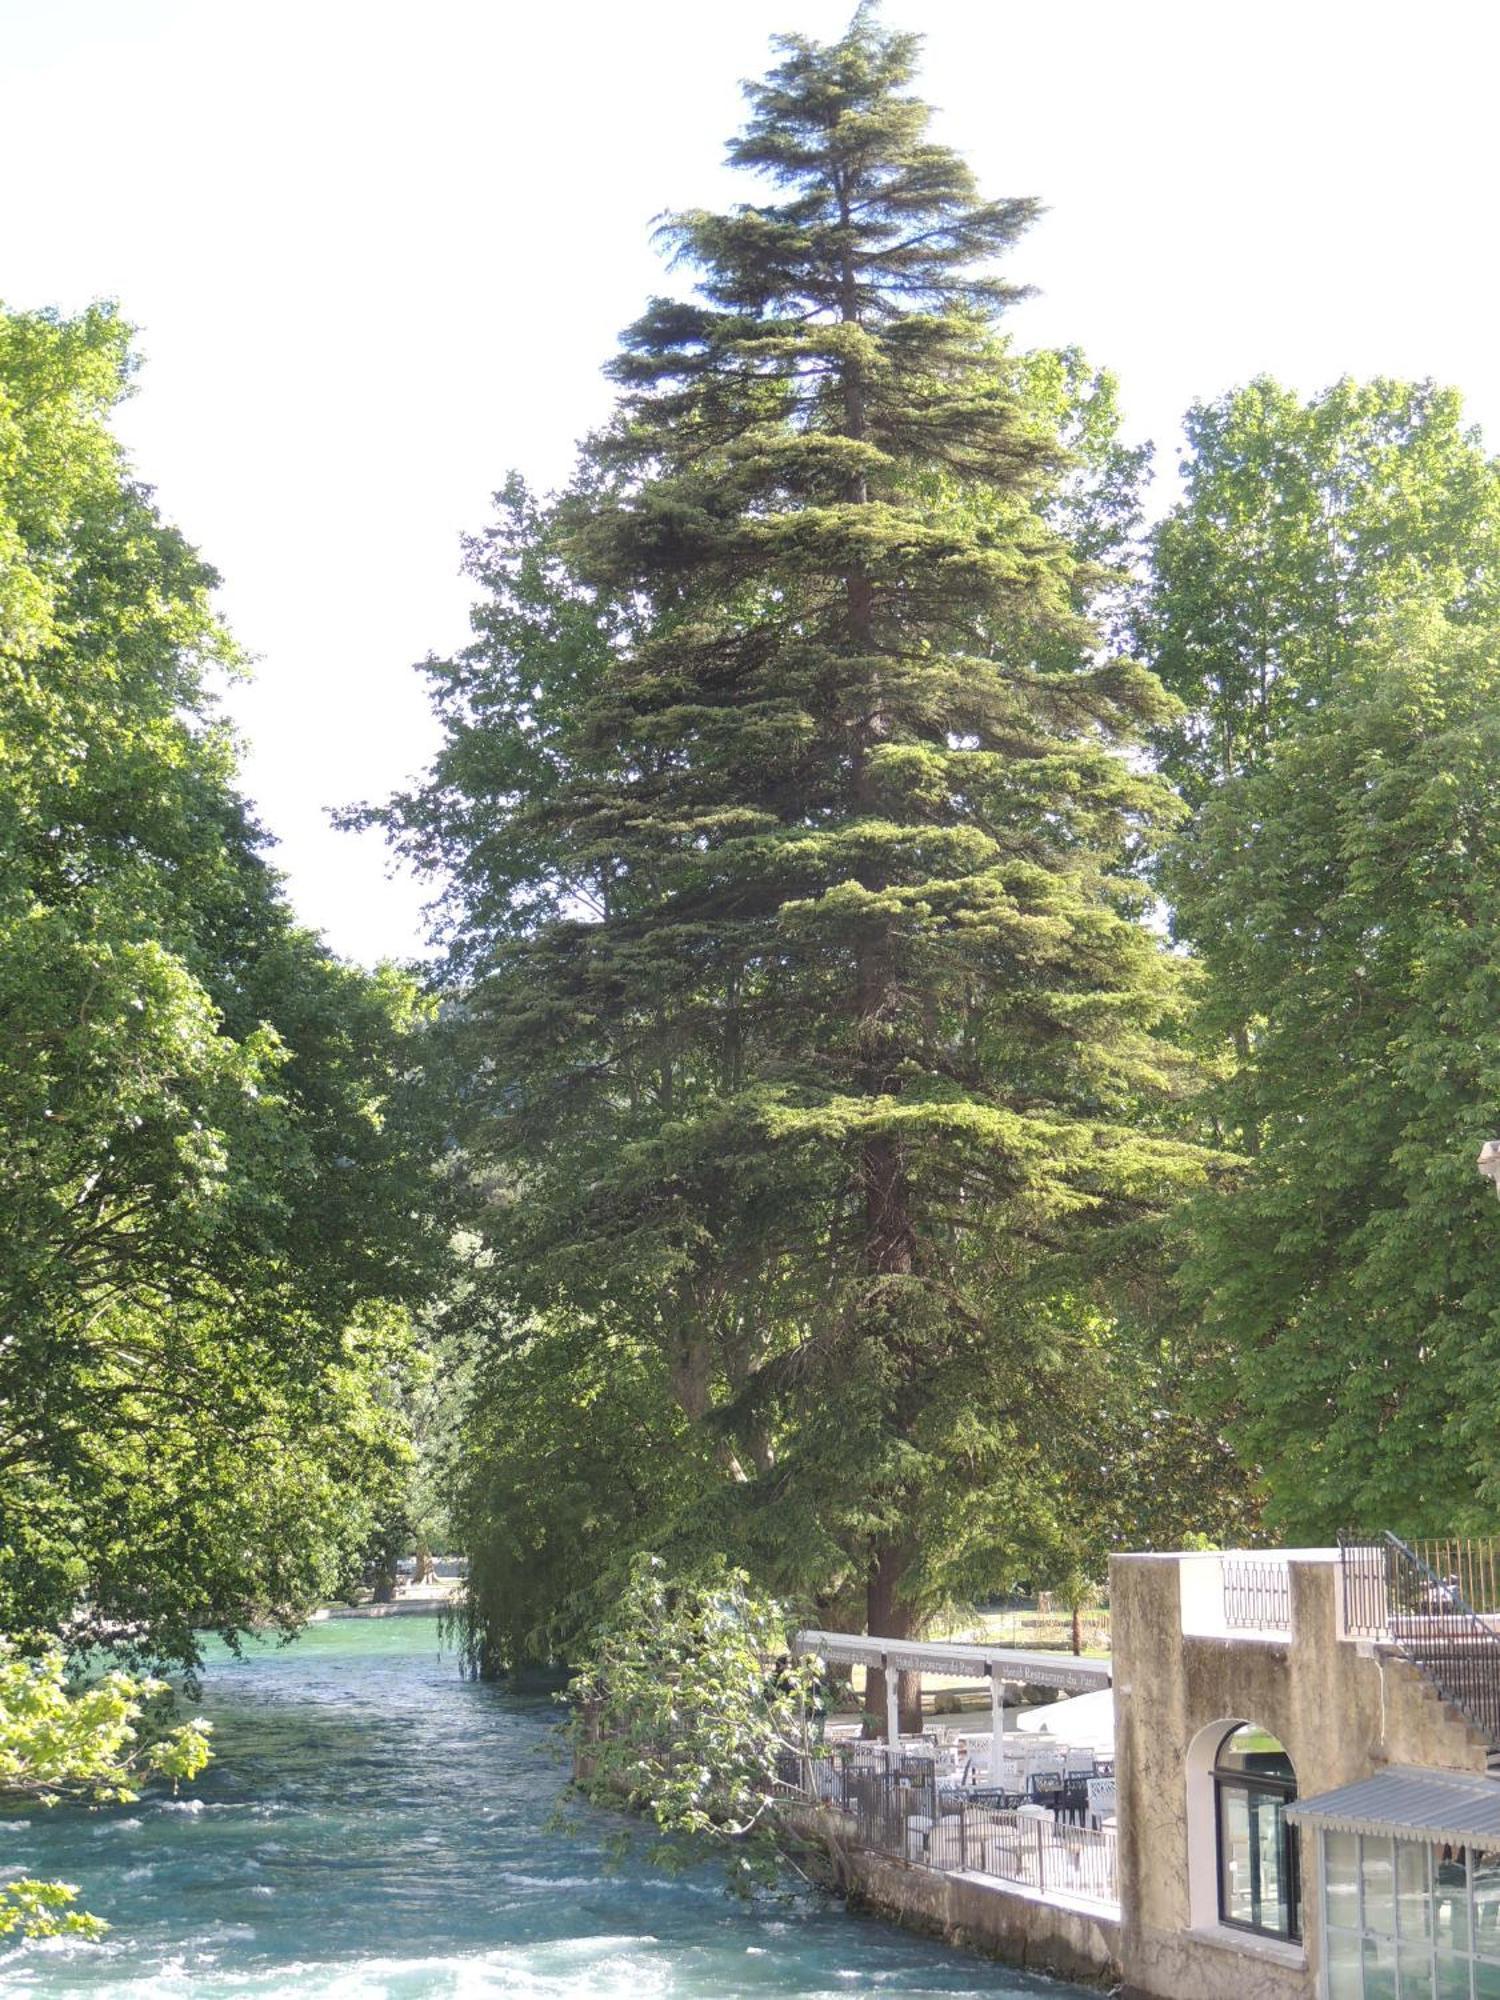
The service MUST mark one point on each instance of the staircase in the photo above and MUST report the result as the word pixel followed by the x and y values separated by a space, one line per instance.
pixel 1394 1594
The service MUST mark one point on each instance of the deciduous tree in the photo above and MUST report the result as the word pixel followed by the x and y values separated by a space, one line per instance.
pixel 1323 600
pixel 211 1214
pixel 1348 1279
pixel 89 1744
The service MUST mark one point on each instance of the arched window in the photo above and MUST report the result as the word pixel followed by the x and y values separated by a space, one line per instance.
pixel 1259 1886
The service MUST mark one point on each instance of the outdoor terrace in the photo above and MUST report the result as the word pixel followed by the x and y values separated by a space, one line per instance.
pixel 1047 1832
pixel 1030 1810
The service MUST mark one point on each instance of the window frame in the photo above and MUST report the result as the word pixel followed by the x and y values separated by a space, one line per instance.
pixel 1281 1791
pixel 1475 1950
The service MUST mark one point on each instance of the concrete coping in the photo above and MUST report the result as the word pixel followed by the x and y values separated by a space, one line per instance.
pixel 1057 1899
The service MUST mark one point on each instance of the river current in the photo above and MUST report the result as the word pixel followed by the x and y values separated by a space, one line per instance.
pixel 375 1828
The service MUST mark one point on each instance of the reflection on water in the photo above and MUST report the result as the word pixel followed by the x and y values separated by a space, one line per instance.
pixel 374 1828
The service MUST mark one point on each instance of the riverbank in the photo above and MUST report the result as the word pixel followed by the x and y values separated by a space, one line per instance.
pixel 1066 1938
pixel 401 1608
pixel 412 1600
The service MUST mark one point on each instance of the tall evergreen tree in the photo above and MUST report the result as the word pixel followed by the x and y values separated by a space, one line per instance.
pixel 811 1011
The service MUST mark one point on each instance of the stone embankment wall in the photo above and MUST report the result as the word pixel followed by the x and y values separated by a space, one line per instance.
pixel 974 1913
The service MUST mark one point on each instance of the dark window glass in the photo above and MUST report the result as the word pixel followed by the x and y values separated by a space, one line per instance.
pixel 1258 1875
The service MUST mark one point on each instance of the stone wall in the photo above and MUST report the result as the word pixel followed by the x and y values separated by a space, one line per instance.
pixel 976 1914
pixel 1342 1709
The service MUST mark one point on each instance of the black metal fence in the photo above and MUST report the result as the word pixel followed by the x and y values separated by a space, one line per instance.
pixel 899 1806
pixel 1257 1594
pixel 1390 1592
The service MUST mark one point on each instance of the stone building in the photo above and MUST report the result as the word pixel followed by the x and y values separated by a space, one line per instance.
pixel 1302 1810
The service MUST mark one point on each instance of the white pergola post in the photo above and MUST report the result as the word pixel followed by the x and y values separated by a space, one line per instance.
pixel 892 1707
pixel 997 1726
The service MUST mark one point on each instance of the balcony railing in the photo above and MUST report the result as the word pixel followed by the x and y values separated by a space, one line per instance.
pixel 1257 1594
pixel 1469 1565
pixel 1390 1591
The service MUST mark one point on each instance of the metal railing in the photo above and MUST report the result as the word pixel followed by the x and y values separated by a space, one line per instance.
pixel 899 1807
pixel 1363 1562
pixel 1257 1594
pixel 1390 1592
pixel 1469 1564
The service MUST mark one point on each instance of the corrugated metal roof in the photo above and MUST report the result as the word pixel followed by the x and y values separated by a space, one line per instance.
pixel 940 1656
pixel 1434 1805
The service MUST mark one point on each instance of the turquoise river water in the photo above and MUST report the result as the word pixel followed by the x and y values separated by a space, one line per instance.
pixel 375 1828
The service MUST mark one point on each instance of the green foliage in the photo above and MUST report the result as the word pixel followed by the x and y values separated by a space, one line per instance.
pixel 35 1909
pixel 570 1453
pixel 57 1742
pixel 1324 603
pixel 686 1699
pixel 815 1109
pixel 1348 1275
pixel 1301 526
pixel 212 1199
pixel 84 1744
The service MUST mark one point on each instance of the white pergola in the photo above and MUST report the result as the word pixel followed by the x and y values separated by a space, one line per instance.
pixel 999 1665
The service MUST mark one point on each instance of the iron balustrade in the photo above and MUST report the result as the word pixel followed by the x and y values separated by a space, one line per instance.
pixel 1466 1564
pixel 1363 1562
pixel 1391 1592
pixel 1257 1594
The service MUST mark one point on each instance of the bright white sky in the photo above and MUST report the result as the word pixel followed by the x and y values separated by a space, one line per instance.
pixel 378 253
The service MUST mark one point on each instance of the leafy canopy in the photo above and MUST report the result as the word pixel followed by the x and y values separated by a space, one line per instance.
pixel 1323 600
pixel 212 1200
pixel 1302 524
pixel 1348 1278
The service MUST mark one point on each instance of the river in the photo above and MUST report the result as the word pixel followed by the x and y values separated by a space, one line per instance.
pixel 375 1828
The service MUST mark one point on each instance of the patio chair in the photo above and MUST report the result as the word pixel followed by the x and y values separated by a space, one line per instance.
pixel 1073 1802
